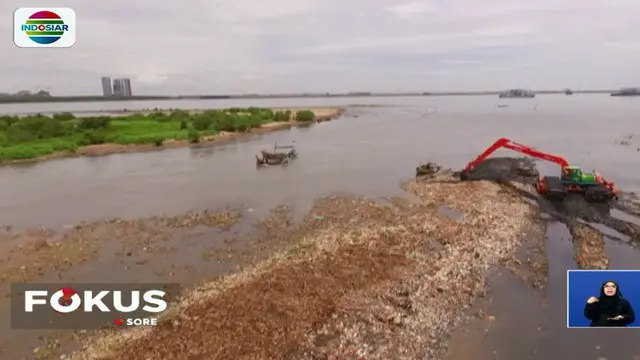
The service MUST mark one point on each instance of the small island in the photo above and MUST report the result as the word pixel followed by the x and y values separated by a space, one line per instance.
pixel 37 137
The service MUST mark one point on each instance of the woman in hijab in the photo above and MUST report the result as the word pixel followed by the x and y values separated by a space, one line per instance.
pixel 610 309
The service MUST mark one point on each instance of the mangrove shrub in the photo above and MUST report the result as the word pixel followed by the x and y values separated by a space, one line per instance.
pixel 64 116
pixel 36 135
pixel 193 136
pixel 282 115
pixel 202 122
pixel 95 123
pixel 305 115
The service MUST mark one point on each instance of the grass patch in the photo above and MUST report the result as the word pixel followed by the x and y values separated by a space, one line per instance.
pixel 36 136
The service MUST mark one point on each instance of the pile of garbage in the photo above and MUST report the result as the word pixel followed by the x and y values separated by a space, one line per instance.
pixel 367 280
pixel 355 284
pixel 504 169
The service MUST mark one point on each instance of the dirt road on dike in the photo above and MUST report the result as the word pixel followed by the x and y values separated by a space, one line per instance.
pixel 354 279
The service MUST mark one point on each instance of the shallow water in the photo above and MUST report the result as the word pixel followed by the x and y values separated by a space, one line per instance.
pixel 532 325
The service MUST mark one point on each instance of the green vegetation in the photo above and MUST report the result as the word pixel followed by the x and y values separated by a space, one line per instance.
pixel 34 136
pixel 305 115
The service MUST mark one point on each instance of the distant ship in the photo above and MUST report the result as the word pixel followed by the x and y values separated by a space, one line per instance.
pixel 627 92
pixel 568 92
pixel 517 93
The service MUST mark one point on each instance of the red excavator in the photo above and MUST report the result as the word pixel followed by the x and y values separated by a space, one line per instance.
pixel 573 180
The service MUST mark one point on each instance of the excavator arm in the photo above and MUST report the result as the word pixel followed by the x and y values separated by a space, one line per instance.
pixel 508 144
pixel 593 186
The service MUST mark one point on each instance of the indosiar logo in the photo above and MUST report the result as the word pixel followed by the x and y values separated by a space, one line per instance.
pixel 44 27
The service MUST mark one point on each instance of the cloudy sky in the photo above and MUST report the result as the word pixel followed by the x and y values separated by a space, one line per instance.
pixel 247 46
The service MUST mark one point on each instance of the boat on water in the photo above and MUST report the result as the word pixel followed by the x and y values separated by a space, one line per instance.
pixel 517 93
pixel 568 92
pixel 281 155
pixel 627 92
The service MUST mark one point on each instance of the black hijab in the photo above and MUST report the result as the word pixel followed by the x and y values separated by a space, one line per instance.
pixel 609 304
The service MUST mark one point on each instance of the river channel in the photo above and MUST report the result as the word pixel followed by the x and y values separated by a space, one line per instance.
pixel 368 151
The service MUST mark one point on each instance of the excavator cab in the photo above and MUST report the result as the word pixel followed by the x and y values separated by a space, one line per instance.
pixel 575 175
pixel 572 173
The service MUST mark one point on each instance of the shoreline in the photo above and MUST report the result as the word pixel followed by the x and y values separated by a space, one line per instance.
pixel 322 115
pixel 97 98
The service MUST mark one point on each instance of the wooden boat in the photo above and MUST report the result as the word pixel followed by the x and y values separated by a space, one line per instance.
pixel 277 157
pixel 274 161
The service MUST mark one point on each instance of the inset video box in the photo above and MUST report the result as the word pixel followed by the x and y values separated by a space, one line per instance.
pixel 603 298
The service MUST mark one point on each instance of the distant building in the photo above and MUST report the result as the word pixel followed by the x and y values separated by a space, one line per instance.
pixel 118 88
pixel 106 86
pixel 127 87
pixel 122 87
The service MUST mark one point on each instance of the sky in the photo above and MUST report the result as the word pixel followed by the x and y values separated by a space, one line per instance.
pixel 286 46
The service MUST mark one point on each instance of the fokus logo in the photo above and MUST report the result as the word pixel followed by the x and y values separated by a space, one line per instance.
pixel 88 305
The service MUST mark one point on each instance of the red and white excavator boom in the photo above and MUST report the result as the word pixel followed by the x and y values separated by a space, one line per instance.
pixel 508 144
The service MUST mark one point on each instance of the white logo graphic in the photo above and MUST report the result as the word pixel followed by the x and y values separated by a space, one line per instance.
pixel 68 300
pixel 44 27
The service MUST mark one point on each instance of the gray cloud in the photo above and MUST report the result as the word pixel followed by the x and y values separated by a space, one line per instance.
pixel 222 46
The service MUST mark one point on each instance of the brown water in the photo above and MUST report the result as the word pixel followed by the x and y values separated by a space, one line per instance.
pixel 367 155
pixel 370 155
pixel 530 325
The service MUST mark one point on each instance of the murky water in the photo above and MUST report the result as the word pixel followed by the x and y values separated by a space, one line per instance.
pixel 539 320
pixel 368 154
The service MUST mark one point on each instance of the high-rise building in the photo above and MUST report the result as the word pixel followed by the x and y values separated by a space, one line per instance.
pixel 106 86
pixel 127 87
pixel 122 87
pixel 118 88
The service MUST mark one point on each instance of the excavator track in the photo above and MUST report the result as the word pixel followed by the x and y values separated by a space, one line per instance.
pixel 598 193
pixel 553 188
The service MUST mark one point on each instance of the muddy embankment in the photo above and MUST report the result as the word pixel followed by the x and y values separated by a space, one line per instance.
pixel 354 279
